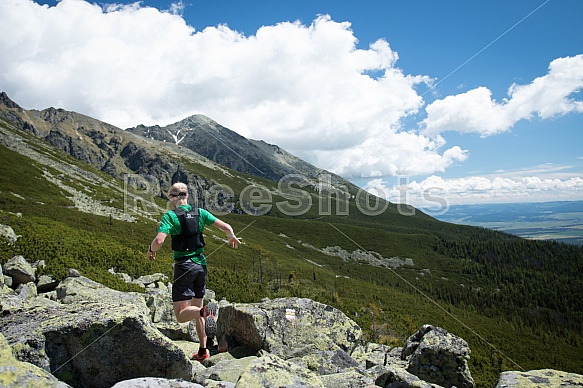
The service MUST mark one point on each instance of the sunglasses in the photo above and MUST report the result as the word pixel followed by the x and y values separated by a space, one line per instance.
pixel 177 195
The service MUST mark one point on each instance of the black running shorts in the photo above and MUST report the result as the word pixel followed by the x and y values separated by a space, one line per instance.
pixel 189 280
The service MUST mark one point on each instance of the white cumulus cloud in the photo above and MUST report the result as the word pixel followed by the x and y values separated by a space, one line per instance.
pixel 438 193
pixel 307 88
pixel 475 111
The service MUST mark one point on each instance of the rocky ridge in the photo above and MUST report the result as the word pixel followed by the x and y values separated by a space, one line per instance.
pixel 157 156
pixel 139 162
pixel 79 333
pixel 224 146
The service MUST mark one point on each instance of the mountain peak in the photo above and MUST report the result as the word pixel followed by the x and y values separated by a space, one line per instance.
pixel 7 102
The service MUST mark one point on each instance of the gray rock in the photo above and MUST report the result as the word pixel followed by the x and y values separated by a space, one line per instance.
pixel 19 270
pixel 325 362
pixel 152 279
pixel 227 370
pixel 414 340
pixel 272 371
pixel 350 379
pixel 154 382
pixel 539 378
pixel 8 282
pixel 8 233
pixel 27 291
pixel 46 283
pixel 437 356
pixel 73 290
pixel 16 374
pixel 284 326
pixel 74 273
pixel 41 264
pixel 98 339
pixel 396 376
pixel 372 354
pixel 219 384
pixel 123 276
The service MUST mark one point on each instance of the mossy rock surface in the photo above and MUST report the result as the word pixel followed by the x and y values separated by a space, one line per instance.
pixel 102 338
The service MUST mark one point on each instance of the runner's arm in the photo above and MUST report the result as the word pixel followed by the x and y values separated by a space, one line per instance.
pixel 231 238
pixel 155 245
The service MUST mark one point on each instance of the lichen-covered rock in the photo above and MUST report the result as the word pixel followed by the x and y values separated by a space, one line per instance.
pixel 80 289
pixel 16 374
pixel 27 291
pixel 46 283
pixel 7 232
pixel 437 356
pixel 349 379
pixel 284 327
pixel 20 270
pixel 228 370
pixel 371 354
pixel 123 276
pixel 93 343
pixel 272 371
pixel 396 376
pixel 147 280
pixel 325 362
pixel 539 378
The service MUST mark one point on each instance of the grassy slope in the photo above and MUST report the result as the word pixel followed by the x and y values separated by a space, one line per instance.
pixel 276 262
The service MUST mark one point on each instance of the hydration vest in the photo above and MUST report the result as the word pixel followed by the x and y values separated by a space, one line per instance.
pixel 190 238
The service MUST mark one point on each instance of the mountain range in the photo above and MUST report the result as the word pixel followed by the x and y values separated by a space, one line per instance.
pixel 78 190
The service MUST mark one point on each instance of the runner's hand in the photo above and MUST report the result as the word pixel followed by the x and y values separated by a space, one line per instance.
pixel 234 242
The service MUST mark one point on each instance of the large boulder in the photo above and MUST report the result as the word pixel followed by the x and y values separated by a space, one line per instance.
pixel 20 270
pixel 349 379
pixel 289 327
pixel 16 374
pixel 46 283
pixel 97 338
pixel 227 370
pixel 79 290
pixel 272 371
pixel 325 362
pixel 396 376
pixel 539 378
pixel 371 354
pixel 437 356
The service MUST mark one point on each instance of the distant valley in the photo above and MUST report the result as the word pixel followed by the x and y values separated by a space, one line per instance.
pixel 559 220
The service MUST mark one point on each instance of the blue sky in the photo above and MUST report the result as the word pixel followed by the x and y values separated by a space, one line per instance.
pixel 477 102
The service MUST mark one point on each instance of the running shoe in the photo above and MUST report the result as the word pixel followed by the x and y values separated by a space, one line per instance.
pixel 199 358
pixel 210 325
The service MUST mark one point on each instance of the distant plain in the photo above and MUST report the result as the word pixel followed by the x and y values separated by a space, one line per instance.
pixel 560 220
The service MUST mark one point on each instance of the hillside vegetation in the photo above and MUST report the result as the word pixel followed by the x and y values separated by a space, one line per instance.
pixel 516 302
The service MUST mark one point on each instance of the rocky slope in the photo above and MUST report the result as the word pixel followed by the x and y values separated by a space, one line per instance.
pixel 78 333
pixel 161 153
pixel 215 142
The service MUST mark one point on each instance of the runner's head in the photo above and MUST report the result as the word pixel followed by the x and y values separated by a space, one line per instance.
pixel 178 190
